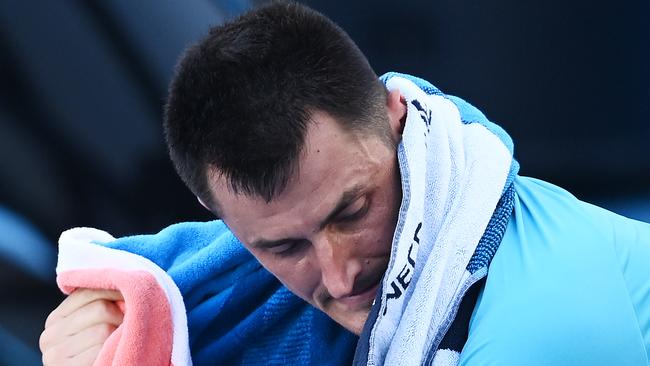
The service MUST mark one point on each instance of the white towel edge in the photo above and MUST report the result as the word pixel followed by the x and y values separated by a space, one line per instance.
pixel 78 251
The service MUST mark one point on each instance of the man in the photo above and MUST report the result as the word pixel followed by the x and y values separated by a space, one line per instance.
pixel 280 127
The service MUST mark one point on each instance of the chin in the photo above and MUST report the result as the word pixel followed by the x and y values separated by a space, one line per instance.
pixel 356 328
pixel 352 322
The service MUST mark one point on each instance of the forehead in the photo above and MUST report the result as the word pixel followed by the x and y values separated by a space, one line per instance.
pixel 332 161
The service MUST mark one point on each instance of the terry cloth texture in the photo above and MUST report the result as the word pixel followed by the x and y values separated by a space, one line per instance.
pixel 457 172
pixel 192 289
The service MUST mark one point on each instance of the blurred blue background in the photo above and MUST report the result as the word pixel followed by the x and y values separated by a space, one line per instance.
pixel 82 85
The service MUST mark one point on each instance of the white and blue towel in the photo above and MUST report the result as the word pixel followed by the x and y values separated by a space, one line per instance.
pixel 457 170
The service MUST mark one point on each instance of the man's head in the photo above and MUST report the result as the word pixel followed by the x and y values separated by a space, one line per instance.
pixel 278 124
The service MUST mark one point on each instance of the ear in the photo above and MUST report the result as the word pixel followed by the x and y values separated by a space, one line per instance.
pixel 396 113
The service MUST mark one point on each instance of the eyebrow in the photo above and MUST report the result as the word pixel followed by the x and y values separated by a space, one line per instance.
pixel 346 199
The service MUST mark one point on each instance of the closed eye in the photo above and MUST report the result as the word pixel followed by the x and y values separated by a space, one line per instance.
pixel 288 248
pixel 354 211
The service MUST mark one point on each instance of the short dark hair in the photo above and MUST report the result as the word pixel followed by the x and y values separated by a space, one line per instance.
pixel 243 96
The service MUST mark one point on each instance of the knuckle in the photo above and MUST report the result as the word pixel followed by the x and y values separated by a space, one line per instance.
pixel 42 341
pixel 54 315
pixel 51 356
pixel 45 359
pixel 49 319
pixel 103 308
pixel 103 331
pixel 83 293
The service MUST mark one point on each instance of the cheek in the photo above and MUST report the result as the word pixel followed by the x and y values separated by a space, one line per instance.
pixel 300 277
pixel 382 226
pixel 376 237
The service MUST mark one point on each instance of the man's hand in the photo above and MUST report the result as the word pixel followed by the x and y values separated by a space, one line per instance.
pixel 76 330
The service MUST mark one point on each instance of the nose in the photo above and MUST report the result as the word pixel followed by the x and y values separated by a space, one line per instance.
pixel 339 268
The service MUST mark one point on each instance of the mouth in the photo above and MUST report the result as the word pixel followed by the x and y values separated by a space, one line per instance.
pixel 361 299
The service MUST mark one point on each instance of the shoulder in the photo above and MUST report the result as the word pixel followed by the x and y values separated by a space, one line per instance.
pixel 556 292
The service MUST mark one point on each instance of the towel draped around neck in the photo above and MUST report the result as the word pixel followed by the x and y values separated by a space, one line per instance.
pixel 457 170
pixel 222 307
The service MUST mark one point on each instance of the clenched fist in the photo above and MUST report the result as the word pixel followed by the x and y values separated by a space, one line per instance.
pixel 76 330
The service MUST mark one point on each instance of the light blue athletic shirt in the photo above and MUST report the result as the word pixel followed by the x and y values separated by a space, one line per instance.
pixel 569 285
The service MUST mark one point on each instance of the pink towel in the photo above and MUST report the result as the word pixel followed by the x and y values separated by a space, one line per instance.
pixel 154 330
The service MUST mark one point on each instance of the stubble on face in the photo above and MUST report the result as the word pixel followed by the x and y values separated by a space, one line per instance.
pixel 333 161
